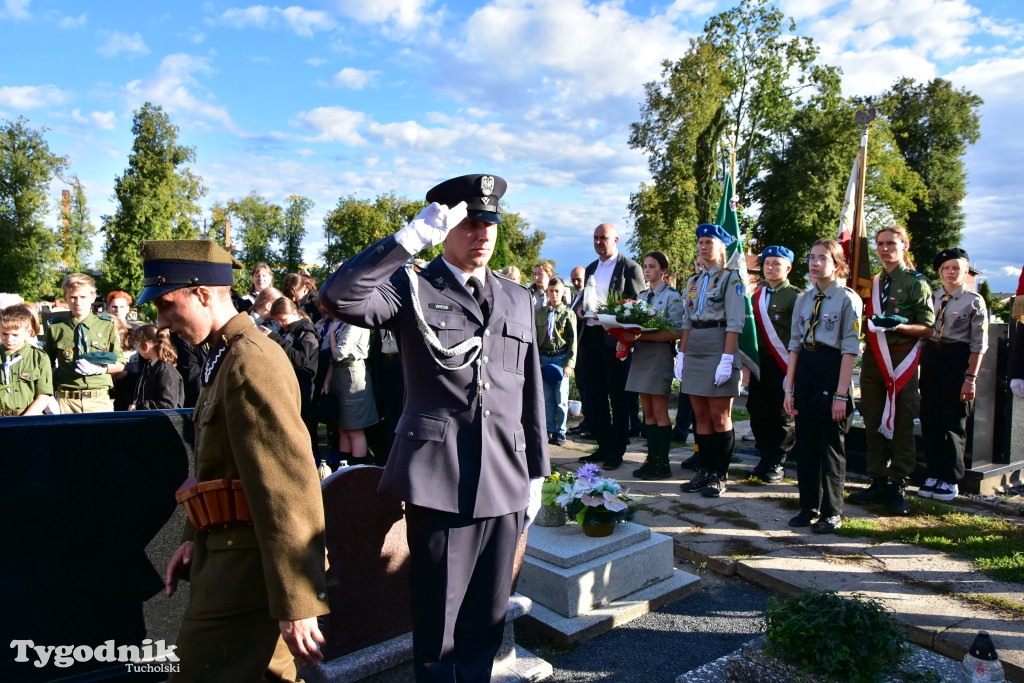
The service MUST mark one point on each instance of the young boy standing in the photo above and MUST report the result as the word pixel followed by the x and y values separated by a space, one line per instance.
pixel 85 349
pixel 556 332
pixel 27 380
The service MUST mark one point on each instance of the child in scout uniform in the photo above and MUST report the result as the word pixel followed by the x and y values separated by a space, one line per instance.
pixel 27 379
pixel 950 361
pixel 650 372
pixel 899 315
pixel 706 364
pixel 773 316
pixel 823 348
pixel 556 330
pixel 86 350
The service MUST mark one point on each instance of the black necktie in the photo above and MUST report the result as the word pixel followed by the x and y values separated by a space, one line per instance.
pixel 478 294
pixel 650 296
pixel 885 297
pixel 768 296
pixel 814 316
pixel 942 312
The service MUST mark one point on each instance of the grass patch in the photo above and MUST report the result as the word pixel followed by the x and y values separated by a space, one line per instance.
pixel 1011 607
pixel 739 415
pixel 994 545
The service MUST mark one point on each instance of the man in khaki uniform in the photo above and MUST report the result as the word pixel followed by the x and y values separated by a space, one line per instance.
pixel 257 574
pixel 85 349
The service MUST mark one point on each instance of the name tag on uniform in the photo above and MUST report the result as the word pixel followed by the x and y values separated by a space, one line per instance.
pixel 440 307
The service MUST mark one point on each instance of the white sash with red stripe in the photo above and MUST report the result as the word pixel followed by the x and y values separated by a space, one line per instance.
pixel 896 379
pixel 764 324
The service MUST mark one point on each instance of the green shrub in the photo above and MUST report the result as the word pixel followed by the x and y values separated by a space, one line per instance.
pixel 843 638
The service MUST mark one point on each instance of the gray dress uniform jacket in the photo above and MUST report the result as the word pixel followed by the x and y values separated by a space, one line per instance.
pixel 469 439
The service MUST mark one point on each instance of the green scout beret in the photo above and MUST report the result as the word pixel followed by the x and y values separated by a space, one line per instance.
pixel 168 265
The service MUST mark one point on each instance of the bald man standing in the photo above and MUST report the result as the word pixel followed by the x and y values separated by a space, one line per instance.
pixel 613 272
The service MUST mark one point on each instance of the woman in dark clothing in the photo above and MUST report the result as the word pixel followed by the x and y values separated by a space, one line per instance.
pixel 301 344
pixel 160 385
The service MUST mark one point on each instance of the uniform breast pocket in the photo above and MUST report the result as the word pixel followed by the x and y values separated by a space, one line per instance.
pixel 517 338
pixel 449 326
pixel 203 417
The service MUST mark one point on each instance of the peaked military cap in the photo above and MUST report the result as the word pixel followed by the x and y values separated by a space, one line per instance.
pixel 168 265
pixel 781 252
pixel 480 192
pixel 712 230
pixel 949 255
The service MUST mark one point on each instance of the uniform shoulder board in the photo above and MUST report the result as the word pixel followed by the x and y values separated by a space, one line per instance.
pixel 506 278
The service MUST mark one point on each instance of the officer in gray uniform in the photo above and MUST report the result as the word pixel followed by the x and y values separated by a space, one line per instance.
pixel 950 361
pixel 471 446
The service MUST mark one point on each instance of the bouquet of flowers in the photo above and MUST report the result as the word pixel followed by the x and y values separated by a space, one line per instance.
pixel 617 316
pixel 554 484
pixel 587 492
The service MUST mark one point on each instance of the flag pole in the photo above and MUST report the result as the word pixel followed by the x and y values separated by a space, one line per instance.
pixel 860 266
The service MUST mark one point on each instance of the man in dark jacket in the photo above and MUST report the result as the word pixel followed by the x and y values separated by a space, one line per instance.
pixel 470 449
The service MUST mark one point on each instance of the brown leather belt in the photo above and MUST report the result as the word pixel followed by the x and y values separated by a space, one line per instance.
pixel 817 346
pixel 9 413
pixel 88 393
pixel 214 504
pixel 707 324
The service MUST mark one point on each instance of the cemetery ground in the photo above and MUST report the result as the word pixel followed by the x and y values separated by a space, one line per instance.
pixel 946 571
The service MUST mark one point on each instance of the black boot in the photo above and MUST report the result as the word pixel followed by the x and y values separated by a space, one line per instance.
pixel 694 462
pixel 896 496
pixel 878 491
pixel 659 441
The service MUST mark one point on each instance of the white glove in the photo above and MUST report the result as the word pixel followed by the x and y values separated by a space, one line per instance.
pixel 86 368
pixel 679 365
pixel 1017 387
pixel 724 370
pixel 430 227
pixel 533 502
pixel 872 327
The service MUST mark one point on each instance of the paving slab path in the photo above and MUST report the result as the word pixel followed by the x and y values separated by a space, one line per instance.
pixel 744 533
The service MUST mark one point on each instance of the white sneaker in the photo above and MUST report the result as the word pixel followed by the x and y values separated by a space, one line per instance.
pixel 944 491
pixel 928 490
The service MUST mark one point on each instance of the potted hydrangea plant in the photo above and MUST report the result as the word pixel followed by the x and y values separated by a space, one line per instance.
pixel 598 503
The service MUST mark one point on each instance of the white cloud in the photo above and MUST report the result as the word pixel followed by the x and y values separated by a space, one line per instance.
pixel 1012 271
pixel 406 14
pixel 333 124
pixel 356 79
pixel 316 61
pixel 99 119
pixel 172 86
pixel 15 9
pixel 197 38
pixel 301 21
pixel 30 96
pixel 118 42
pixel 72 22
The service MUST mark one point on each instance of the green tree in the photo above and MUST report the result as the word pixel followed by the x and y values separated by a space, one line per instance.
pixel 294 230
pixel 27 166
pixel 355 224
pixel 736 90
pixel 77 231
pixel 156 197
pixel 257 231
pixel 803 185
pixel 933 123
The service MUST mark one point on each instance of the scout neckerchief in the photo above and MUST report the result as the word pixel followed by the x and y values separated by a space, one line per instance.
pixel 81 339
pixel 941 315
pixel 764 324
pixel 896 379
pixel 216 358
pixel 816 314
pixel 9 361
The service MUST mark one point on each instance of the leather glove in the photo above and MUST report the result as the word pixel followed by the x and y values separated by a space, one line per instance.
pixel 430 227
pixel 533 502
pixel 679 365
pixel 87 368
pixel 724 370
pixel 1017 387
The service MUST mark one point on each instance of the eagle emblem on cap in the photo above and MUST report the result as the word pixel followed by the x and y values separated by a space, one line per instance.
pixel 486 185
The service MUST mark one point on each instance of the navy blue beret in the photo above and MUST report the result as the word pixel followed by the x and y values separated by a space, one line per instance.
pixel 948 255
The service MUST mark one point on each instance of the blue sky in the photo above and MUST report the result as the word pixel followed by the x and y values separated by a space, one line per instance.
pixel 332 98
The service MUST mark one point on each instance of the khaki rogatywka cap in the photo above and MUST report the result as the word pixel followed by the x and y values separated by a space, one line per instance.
pixel 168 265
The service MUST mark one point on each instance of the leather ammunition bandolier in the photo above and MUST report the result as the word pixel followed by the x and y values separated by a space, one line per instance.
pixel 214 504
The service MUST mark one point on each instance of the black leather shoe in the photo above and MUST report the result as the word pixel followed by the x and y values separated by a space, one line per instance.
pixel 827 525
pixel 578 429
pixel 612 464
pixel 805 518
pixel 873 494
pixel 770 475
pixel 595 457
pixel 691 463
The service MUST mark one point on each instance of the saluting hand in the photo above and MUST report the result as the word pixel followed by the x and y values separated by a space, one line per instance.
pixel 431 226
pixel 304 639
